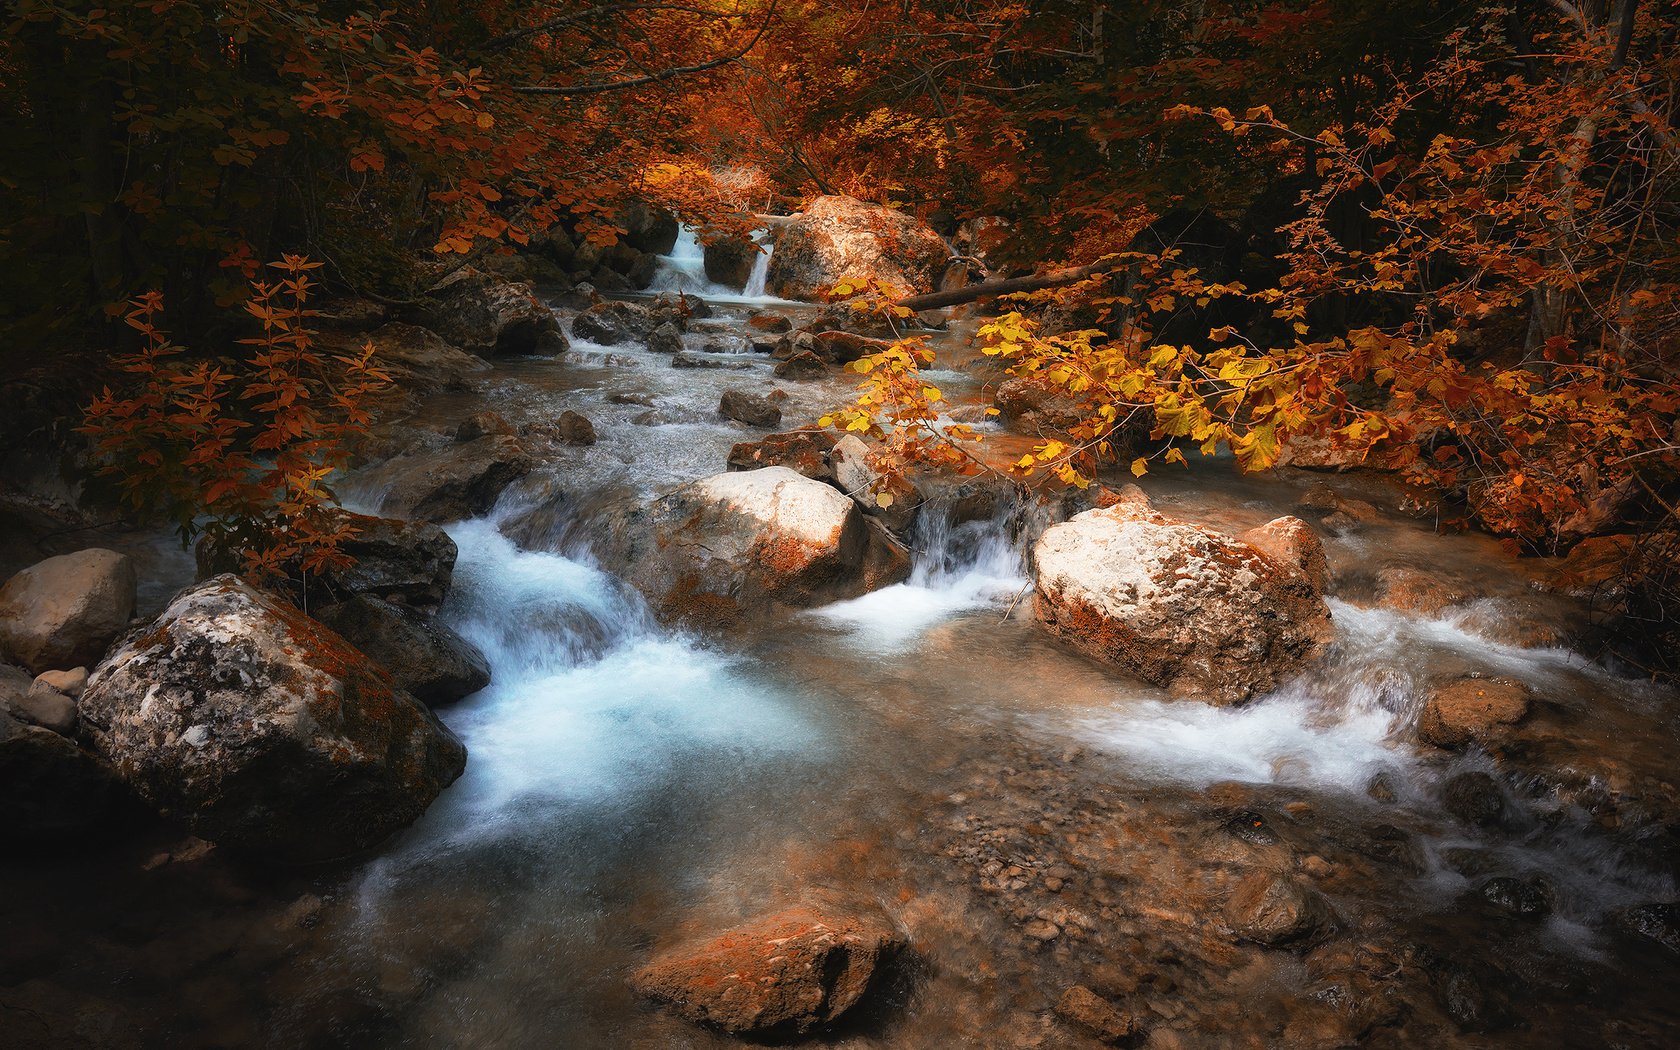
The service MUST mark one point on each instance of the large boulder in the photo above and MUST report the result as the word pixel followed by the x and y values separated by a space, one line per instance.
pixel 453 482
pixel 64 612
pixel 648 229
pixel 839 237
pixel 424 657
pixel 49 787
pixel 491 316
pixel 1176 604
pixel 733 546
pixel 789 973
pixel 860 480
pixel 612 323
pixel 409 563
pixel 264 730
pixel 752 409
pixel 730 261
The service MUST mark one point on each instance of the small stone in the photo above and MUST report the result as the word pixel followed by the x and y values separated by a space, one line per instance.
pixel 1042 930
pixel 1472 711
pixel 1086 1009
pixel 481 423
pixel 666 339
pixel 751 409
pixel 803 365
pixel 1474 798
pixel 1524 897
pixel 1273 909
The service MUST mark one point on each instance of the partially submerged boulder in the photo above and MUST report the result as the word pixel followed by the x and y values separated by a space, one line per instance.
pixel 423 657
pixel 64 612
pixel 1479 711
pixel 836 238
pixel 752 409
pixel 491 316
pixel 418 359
pixel 729 261
pixel 733 546
pixel 1275 910
pixel 1179 605
pixel 666 339
pixel 454 482
pixel 265 730
pixel 612 323
pixel 790 973
pixel 803 365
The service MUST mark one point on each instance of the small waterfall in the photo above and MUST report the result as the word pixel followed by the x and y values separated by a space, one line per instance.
pixel 761 268
pixel 684 269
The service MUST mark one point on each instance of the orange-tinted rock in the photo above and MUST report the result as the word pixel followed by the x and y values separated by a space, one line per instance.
pixel 805 451
pixel 1414 590
pixel 1472 711
pixel 1082 1007
pixel 789 973
pixel 837 238
pixel 1292 542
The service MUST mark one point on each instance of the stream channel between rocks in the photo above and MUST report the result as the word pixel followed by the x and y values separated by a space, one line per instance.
pixel 1030 819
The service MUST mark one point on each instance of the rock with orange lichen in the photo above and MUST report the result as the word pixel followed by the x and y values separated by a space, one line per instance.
pixel 840 238
pixel 790 973
pixel 1182 606
pixel 264 730
pixel 736 546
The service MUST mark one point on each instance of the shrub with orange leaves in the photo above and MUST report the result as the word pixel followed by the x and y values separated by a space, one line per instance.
pixel 240 450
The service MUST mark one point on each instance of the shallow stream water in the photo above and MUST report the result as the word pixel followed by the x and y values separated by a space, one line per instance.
pixel 926 749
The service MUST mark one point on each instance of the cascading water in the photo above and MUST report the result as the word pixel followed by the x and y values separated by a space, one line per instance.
pixel 684 270
pixel 761 269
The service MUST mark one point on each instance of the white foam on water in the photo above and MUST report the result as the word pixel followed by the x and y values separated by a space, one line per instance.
pixel 956 571
pixel 590 704
pixel 684 270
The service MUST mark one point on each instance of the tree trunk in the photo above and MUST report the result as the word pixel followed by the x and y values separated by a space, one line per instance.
pixel 991 289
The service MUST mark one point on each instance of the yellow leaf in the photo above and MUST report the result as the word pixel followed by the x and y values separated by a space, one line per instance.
pixel 883 500
pixel 1140 467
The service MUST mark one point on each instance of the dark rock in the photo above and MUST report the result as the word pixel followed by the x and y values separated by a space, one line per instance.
pixel 665 339
pixel 768 321
pixel 1473 1000
pixel 724 362
pixel 574 428
pixel 479 424
pixel 792 972
pixel 794 343
pixel 1525 897
pixel 1473 711
pixel 678 308
pixel 803 365
pixel 49 787
pixel 422 656
pixel 648 229
pixel 612 323
pixel 1474 798
pixel 489 316
pixel 1658 923
pixel 730 261
pixel 751 409
pixel 457 482
pixel 842 348
pixel 265 730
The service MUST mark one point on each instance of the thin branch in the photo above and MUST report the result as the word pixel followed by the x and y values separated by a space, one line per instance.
pixel 654 78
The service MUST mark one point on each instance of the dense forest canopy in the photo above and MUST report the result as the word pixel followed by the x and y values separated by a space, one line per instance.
pixel 1437 236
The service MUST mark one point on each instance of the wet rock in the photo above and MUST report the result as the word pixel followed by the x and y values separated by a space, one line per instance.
pixel 1319 499
pixel 1176 604
pixel 839 237
pixel 665 339
pixel 1038 404
pixel 842 348
pixel 49 787
pixel 351 315
pixel 728 362
pixel 1086 1009
pixel 1413 590
pixel 803 365
pixel 491 316
pixel 1524 897
pixel 612 323
pixel 789 973
pixel 650 230
pixel 651 418
pixel 1381 788
pixel 1658 923
pixel 729 261
pixel 457 482
pixel 1474 798
pixel 795 343
pixel 861 481
pixel 1474 1000
pixel 678 309
pixel 66 611
pixel 406 562
pixel 265 730
pixel 768 321
pixel 479 424
pixel 1473 711
pixel 805 451
pixel 630 397
pixel 751 409
pixel 574 428
pixel 736 545
pixel 423 657
pixel 1276 910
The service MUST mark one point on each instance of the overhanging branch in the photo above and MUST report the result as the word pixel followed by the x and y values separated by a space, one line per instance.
pixel 652 78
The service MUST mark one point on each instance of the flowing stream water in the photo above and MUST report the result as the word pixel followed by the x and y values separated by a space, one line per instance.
pixel 926 748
